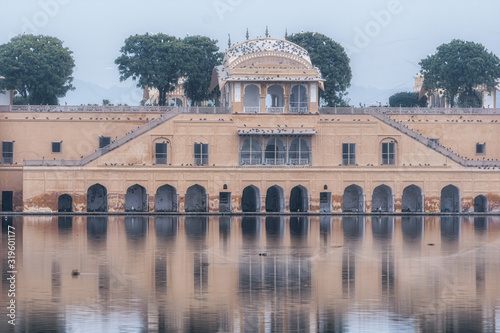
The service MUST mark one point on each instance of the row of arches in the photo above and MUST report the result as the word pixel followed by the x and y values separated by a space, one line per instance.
pixel 275 98
pixel 196 199
pixel 274 151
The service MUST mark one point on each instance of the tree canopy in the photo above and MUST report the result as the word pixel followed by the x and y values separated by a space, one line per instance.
pixel 158 61
pixel 458 67
pixel 407 99
pixel 206 56
pixel 333 62
pixel 38 68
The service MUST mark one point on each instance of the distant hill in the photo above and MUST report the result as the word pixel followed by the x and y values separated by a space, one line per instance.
pixel 89 93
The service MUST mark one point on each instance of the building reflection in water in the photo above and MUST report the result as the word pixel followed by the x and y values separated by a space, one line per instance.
pixel 319 274
pixel 136 228
pixel 65 224
pixel 450 233
pixel 413 230
pixel 275 229
pixel 353 228
pixel 97 229
pixel 196 228
pixel 383 231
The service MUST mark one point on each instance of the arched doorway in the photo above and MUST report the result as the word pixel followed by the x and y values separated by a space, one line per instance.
pixel 299 199
pixel 382 199
pixel 450 199
pixel 481 204
pixel 251 200
pixel 97 198
pixel 275 199
pixel 353 199
pixel 413 199
pixel 251 99
pixel 166 199
pixel 136 199
pixel 196 199
pixel 65 203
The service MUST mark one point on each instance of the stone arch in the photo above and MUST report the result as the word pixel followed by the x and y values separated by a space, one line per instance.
pixel 353 199
pixel 251 200
pixel 481 204
pixel 97 198
pixel 450 199
pixel 65 203
pixel 299 199
pixel 136 199
pixel 413 199
pixel 382 199
pixel 166 199
pixel 175 102
pixel 196 199
pixel 251 99
pixel 275 199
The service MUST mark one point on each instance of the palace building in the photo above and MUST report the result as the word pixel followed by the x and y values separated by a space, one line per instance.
pixel 269 147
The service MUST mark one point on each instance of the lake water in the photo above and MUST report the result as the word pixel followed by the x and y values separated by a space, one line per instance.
pixel 252 274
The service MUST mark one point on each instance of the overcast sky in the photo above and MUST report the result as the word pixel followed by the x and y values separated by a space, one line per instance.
pixel 385 39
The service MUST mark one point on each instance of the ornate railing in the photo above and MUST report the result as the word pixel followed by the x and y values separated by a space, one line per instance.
pixel 406 111
pixel 275 109
pixel 113 109
pixel 251 109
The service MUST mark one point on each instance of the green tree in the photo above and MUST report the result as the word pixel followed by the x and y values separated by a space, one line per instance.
pixel 38 68
pixel 155 61
pixel 407 99
pixel 199 72
pixel 458 67
pixel 333 63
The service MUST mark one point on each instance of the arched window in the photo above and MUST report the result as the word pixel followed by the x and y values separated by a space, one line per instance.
pixel 388 152
pixel 275 151
pixel 161 149
pixel 299 153
pixel 251 152
pixel 251 99
pixel 299 199
pixel 299 102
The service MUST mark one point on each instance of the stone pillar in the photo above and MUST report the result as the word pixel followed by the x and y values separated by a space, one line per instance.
pixel 263 93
